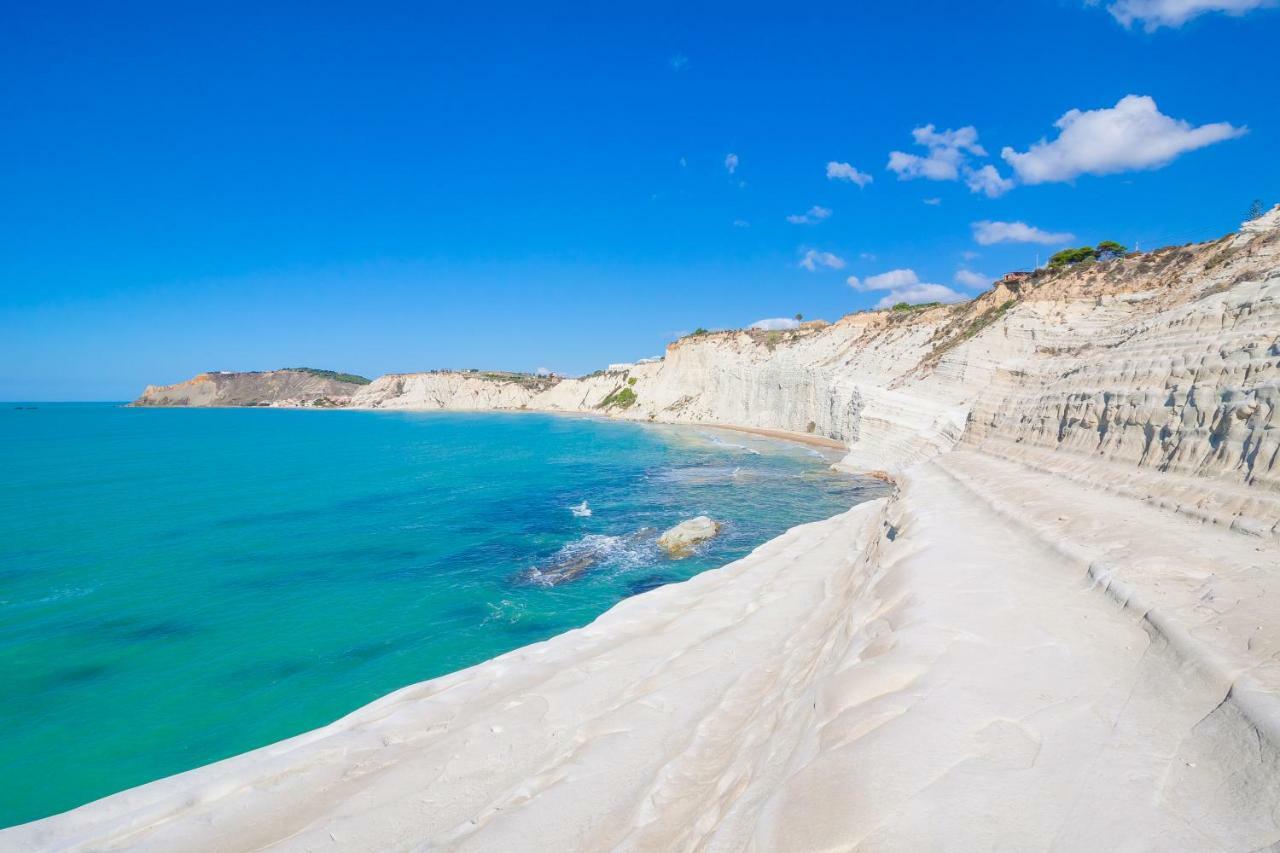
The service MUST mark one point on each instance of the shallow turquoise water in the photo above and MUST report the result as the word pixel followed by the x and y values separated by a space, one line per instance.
pixel 178 586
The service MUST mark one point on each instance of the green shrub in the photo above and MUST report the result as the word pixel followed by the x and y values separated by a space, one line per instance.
pixel 1104 251
pixel 332 374
pixel 1109 249
pixel 1072 256
pixel 623 398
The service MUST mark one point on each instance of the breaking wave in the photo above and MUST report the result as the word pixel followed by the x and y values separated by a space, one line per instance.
pixel 593 552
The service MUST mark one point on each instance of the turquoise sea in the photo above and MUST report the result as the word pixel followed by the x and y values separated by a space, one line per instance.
pixel 178 586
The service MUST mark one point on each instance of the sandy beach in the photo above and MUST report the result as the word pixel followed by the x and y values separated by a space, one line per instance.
pixel 784 435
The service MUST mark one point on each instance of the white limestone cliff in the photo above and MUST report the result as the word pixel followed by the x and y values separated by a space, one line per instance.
pixel 1155 375
pixel 1059 633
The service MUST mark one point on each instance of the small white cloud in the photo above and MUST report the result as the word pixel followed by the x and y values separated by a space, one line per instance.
pixel 988 181
pixel 1174 13
pixel 948 160
pixel 1132 135
pixel 969 256
pixel 813 259
pixel 741 223
pixel 844 172
pixel 885 280
pixel 990 233
pixel 933 202
pixel 678 61
pixel 775 324
pixel 731 163
pixel 969 278
pixel 964 139
pixel 918 293
pixel 867 256
pixel 904 285
pixel 947 150
pixel 815 215
pixel 544 371
pixel 944 166
pixel 683 163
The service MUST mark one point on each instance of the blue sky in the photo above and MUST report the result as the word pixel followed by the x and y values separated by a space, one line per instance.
pixel 387 187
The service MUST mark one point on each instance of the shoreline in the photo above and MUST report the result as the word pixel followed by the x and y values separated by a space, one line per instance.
pixel 781 436
pixel 767 432
pixel 177 812
pixel 881 630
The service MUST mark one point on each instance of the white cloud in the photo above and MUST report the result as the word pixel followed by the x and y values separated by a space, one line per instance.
pixel 885 280
pixel 948 160
pixel 947 150
pixel 815 215
pixel 987 180
pixel 904 286
pixel 969 278
pixel 990 233
pixel 731 163
pixel 917 293
pixel 943 166
pixel 813 259
pixel 1174 13
pixel 741 223
pixel 775 324
pixel 964 139
pixel 1132 135
pixel 543 371
pixel 683 163
pixel 969 256
pixel 844 172
pixel 933 202
pixel 678 61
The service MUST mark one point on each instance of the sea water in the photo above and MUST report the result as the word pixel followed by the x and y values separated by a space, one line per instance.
pixel 181 585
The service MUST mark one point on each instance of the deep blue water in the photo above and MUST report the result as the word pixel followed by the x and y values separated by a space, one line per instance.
pixel 178 586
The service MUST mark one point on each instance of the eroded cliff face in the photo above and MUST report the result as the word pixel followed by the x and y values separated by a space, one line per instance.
pixel 321 389
pixel 1168 393
pixel 1154 375
pixel 1157 376
pixel 834 381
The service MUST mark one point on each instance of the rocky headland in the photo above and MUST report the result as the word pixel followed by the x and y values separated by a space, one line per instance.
pixel 297 386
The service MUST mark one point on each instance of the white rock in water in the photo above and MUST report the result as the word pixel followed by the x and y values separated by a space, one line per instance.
pixel 678 542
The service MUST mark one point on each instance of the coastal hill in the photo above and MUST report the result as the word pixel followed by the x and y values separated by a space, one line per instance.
pixel 1059 631
pixel 296 386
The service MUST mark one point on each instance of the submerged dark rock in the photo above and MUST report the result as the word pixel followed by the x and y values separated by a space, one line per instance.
pixel 647 583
